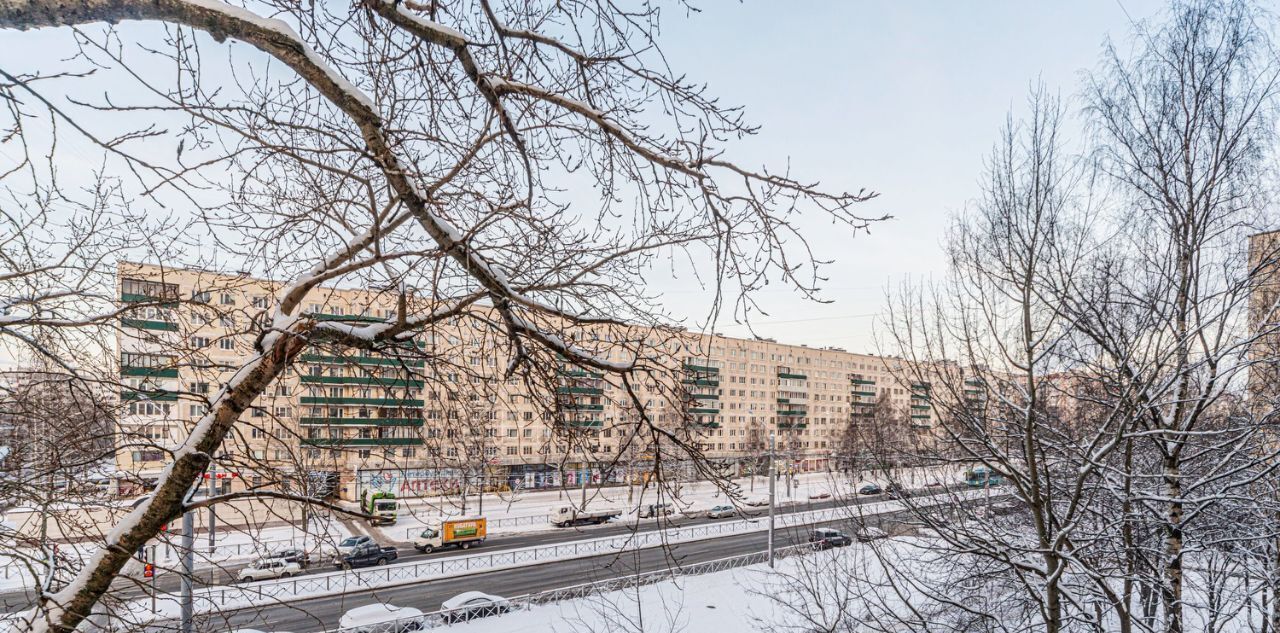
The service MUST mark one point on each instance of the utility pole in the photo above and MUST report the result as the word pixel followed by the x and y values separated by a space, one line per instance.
pixel 188 567
pixel 772 486
pixel 213 516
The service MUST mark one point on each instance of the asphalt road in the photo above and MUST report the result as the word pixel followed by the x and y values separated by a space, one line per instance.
pixel 169 582
pixel 320 613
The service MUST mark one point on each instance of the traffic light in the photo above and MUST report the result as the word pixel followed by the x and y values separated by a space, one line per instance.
pixel 148 571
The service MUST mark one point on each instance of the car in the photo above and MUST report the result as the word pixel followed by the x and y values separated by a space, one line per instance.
pixel 352 542
pixel 293 555
pixel 757 502
pixel 868 533
pixel 896 491
pixel 826 538
pixel 653 510
pixel 721 512
pixel 381 617
pixel 870 489
pixel 820 495
pixel 471 605
pixel 366 554
pixel 268 568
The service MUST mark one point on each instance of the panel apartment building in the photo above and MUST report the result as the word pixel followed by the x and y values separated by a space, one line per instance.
pixel 1264 317
pixel 370 421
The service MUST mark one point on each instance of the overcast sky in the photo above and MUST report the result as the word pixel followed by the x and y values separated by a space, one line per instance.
pixel 905 98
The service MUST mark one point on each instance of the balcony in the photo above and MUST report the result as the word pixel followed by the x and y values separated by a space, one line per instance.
pixel 363 441
pixel 154 396
pixel 702 369
pixel 580 390
pixel 359 360
pixel 361 380
pixel 143 324
pixel 377 402
pixel 362 421
pixel 791 375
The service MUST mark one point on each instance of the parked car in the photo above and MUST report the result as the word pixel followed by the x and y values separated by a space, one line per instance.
pixel 896 491
pixel 471 605
pixel 652 510
pixel 352 542
pixel 820 495
pixel 721 512
pixel 826 538
pixel 365 555
pixel 381 617
pixel 268 568
pixel 870 489
pixel 868 533
pixel 293 555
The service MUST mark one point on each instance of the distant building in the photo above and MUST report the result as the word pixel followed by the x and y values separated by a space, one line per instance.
pixel 375 421
pixel 1264 318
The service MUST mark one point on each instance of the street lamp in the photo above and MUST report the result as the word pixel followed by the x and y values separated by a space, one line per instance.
pixel 773 478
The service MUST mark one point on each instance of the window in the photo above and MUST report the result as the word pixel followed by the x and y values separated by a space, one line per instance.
pixel 228 299
pixel 365 453
pixel 200 296
pixel 260 302
pixel 199 342
pixel 227 343
pixel 227 320
pixel 284 412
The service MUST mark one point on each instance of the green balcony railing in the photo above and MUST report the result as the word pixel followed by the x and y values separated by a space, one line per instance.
pixel 702 369
pixel 361 380
pixel 150 372
pixel 359 360
pixel 376 402
pixel 143 324
pixel 701 382
pixel 362 421
pixel 792 376
pixel 585 424
pixel 920 417
pixel 859 381
pixel 155 396
pixel 583 406
pixel 364 441
pixel 703 411
pixel 137 298
pixel 793 413
pixel 590 391
pixel 792 424
pixel 862 393
pixel 704 396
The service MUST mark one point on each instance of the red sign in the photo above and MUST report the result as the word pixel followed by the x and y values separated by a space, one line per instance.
pixel 149 571
pixel 223 475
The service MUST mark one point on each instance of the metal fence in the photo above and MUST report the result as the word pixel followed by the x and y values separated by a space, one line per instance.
pixel 442 618
pixel 381 576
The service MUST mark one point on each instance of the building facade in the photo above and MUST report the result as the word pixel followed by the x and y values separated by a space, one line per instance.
pixel 362 421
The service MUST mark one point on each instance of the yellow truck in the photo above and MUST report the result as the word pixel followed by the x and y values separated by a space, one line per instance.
pixel 463 533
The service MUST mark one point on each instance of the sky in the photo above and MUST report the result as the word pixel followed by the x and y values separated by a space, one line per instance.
pixel 901 97
pixel 905 98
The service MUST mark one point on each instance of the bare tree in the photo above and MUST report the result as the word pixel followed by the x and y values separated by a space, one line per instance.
pixel 418 151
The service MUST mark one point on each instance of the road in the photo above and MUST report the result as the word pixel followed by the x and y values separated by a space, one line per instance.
pixel 321 613
pixel 168 582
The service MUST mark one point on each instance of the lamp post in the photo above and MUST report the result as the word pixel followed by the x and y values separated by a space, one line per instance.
pixel 773 479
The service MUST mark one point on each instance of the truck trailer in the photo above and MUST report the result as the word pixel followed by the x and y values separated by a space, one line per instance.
pixel 462 533
pixel 564 516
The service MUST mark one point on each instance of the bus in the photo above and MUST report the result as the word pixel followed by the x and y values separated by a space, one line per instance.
pixel 982 477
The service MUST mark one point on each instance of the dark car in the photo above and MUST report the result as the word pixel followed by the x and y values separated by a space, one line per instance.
pixel 826 538
pixel 366 554
pixel 896 491
pixel 870 489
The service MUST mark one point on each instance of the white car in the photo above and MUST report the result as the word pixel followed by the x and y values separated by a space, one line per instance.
pixel 268 568
pixel 351 542
pixel 381 617
pixel 471 605
pixel 721 512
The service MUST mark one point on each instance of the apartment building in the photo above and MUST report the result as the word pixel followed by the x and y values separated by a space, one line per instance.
pixel 394 421
pixel 1264 264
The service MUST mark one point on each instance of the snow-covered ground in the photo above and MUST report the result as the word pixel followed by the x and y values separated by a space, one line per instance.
pixel 528 511
pixel 844 589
